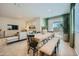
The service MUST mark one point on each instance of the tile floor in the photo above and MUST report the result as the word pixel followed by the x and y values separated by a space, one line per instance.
pixel 65 49
pixel 14 49
pixel 20 49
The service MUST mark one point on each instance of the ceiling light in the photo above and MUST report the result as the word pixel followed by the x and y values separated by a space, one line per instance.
pixel 18 4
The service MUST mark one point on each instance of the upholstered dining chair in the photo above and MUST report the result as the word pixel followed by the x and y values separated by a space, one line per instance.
pixel 32 43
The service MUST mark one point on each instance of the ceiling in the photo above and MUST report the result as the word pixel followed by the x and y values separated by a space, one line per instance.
pixel 25 10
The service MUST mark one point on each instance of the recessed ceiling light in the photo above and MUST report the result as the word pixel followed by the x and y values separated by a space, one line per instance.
pixel 18 4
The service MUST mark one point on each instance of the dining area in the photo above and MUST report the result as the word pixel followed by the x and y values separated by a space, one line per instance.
pixel 42 44
pixel 32 31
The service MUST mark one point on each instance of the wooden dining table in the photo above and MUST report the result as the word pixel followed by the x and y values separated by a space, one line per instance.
pixel 49 47
pixel 41 36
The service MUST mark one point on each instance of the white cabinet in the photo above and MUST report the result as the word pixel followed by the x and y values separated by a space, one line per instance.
pixel 22 35
pixel 12 39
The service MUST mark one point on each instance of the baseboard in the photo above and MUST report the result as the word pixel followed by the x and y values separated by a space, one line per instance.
pixel 16 41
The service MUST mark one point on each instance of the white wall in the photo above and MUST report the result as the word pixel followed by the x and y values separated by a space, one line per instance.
pixel 50 22
pixel 4 21
pixel 35 22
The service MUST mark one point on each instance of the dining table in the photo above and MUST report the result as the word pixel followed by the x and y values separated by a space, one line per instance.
pixel 42 36
pixel 47 43
pixel 50 47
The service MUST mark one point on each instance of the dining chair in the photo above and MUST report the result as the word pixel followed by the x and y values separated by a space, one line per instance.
pixel 32 44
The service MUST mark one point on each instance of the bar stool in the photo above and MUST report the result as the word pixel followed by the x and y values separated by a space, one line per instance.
pixel 32 44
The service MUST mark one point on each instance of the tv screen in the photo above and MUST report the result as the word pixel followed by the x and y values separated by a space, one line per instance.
pixel 12 27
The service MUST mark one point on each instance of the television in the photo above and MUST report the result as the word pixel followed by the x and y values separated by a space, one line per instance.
pixel 12 27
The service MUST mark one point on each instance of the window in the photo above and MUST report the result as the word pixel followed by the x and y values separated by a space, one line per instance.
pixel 57 25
